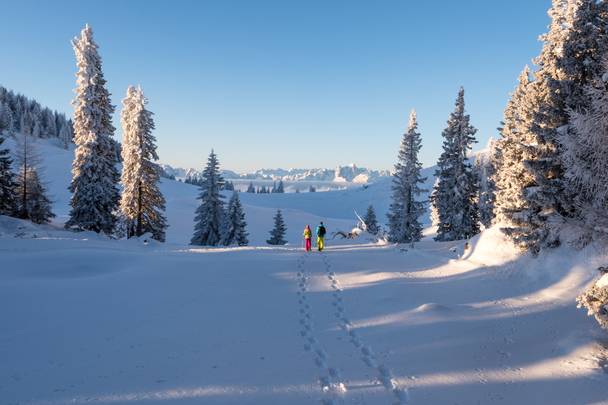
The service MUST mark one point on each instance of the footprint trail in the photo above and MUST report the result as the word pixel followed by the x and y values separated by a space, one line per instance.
pixel 384 374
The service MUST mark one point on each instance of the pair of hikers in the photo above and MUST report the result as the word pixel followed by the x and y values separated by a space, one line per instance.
pixel 320 231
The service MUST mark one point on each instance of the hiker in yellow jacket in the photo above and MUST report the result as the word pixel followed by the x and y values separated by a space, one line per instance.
pixel 308 238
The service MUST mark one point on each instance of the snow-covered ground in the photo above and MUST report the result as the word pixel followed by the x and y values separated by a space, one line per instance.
pixel 86 319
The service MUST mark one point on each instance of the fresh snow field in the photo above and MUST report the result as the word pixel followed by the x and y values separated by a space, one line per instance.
pixel 87 319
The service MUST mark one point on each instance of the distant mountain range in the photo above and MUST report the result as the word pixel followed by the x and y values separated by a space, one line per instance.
pixel 341 174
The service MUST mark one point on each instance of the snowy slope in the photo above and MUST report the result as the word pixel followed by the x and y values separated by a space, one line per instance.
pixel 119 322
pixel 92 320
pixel 181 203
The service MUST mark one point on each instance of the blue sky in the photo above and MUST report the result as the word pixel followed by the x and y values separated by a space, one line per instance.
pixel 283 83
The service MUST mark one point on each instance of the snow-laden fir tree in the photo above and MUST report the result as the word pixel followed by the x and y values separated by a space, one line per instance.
pixel 235 227
pixel 251 188
pixel 65 136
pixel 371 221
pixel 595 300
pixel 405 208
pixel 455 195
pixel 585 46
pixel 484 172
pixel 511 176
pixel 210 214
pixel 32 202
pixel 586 156
pixel 280 187
pixel 277 235
pixel 95 177
pixel 6 119
pixel 142 204
pixel 7 182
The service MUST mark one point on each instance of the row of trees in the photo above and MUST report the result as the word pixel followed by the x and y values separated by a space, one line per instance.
pixel 214 224
pixel 96 204
pixel 463 196
pixel 552 159
pixel 547 171
pixel 276 188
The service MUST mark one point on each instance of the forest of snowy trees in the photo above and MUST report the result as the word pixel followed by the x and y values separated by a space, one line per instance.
pixel 21 115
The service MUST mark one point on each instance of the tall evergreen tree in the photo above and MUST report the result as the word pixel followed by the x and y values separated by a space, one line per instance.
pixel 31 200
pixel 586 156
pixel 511 176
pixel 485 167
pixel 65 136
pixel 280 187
pixel 371 222
pixel 210 214
pixel 277 235
pixel 235 226
pixel 94 186
pixel 142 204
pixel 405 209
pixel 7 182
pixel 455 195
pixel 251 188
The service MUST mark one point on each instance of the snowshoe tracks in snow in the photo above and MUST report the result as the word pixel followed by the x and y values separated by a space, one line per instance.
pixel 331 383
pixel 384 374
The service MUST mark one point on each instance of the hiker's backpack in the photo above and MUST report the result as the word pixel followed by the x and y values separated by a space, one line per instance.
pixel 322 231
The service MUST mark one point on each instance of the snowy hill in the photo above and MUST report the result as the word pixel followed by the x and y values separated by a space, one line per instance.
pixel 94 320
pixel 336 208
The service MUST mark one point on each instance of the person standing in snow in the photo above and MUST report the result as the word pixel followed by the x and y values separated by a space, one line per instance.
pixel 321 231
pixel 308 238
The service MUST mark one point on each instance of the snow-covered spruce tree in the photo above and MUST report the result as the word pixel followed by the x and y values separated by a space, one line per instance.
pixel 95 178
pixel 595 300
pixel 484 172
pixel 210 214
pixel 511 176
pixel 405 209
pixel 65 136
pixel 235 232
pixel 277 235
pixel 32 202
pixel 455 194
pixel 142 204
pixel 251 188
pixel 586 157
pixel 371 222
pixel 7 182
pixel 6 119
pixel 585 46
pixel 280 187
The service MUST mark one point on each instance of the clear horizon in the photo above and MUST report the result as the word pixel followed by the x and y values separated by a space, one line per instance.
pixel 271 85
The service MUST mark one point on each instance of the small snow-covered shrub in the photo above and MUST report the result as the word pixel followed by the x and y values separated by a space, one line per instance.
pixel 595 300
